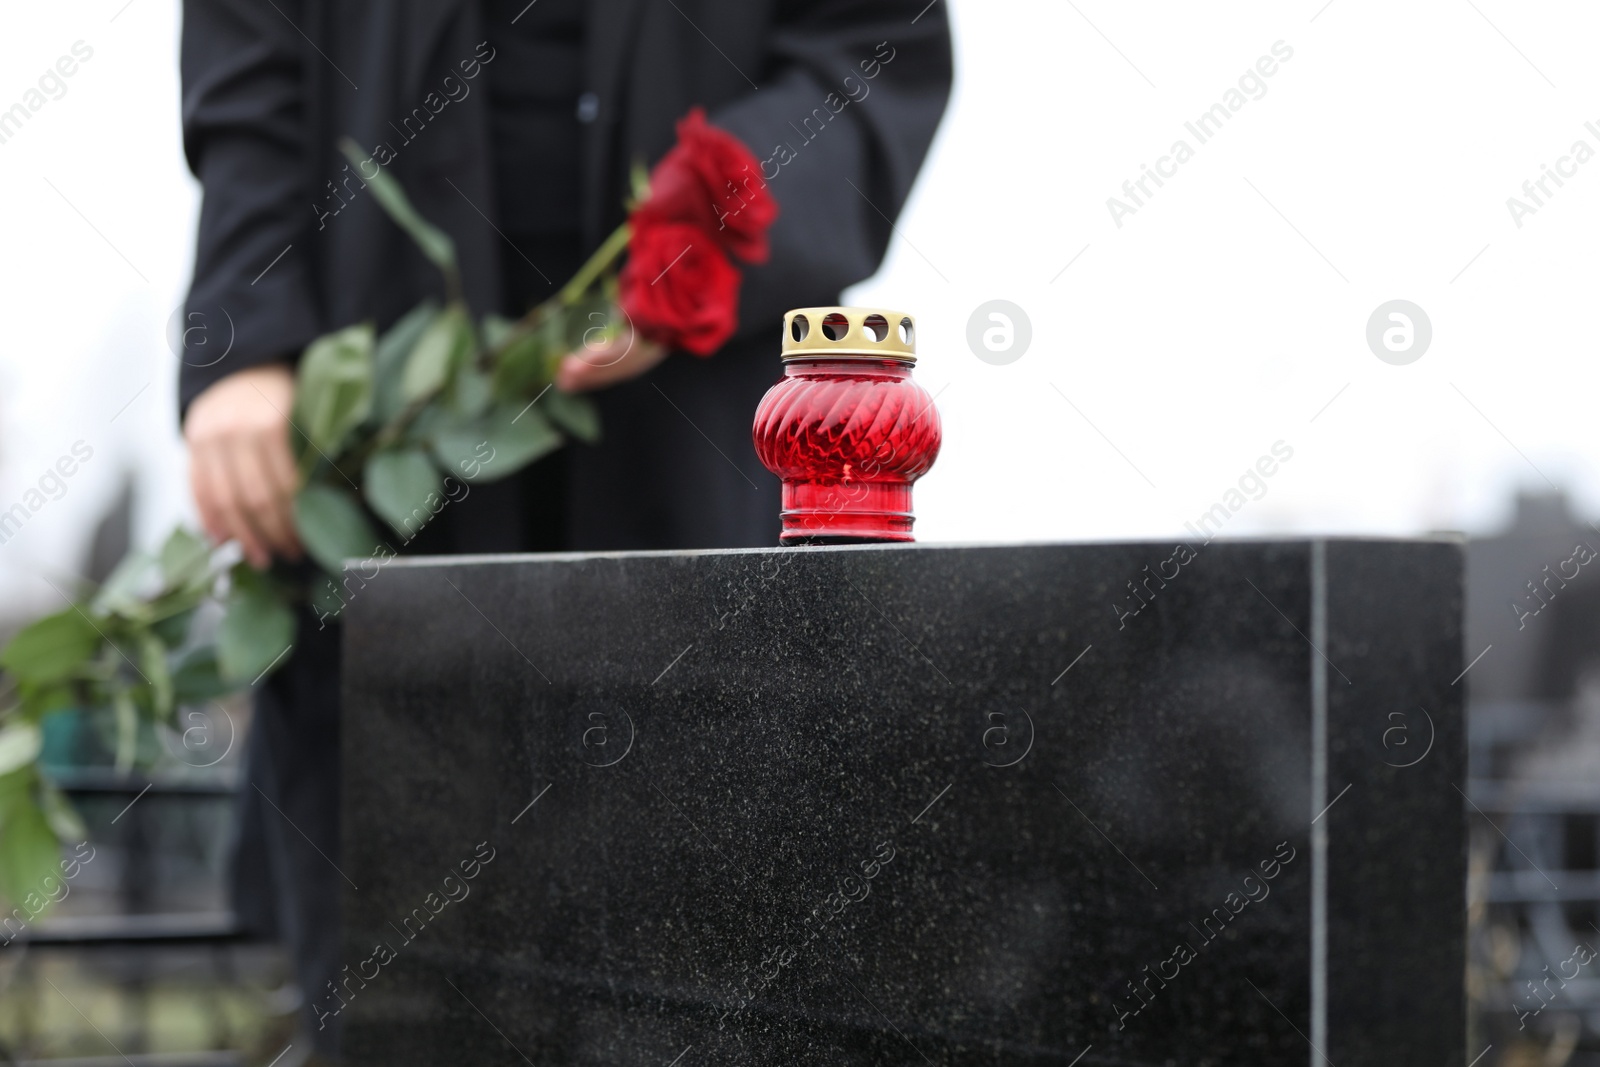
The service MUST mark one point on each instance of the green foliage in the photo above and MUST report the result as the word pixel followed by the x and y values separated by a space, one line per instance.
pixel 326 599
pixel 394 348
pixel 497 330
pixel 120 593
pixel 639 179
pixel 444 345
pixel 153 666
pixel 174 629
pixel 332 526
pixel 471 393
pixel 515 438
pixel 434 242
pixel 197 677
pixel 51 649
pixel 19 745
pixel 66 823
pixel 29 851
pixel 575 414
pixel 333 393
pixel 184 559
pixel 382 420
pixel 398 484
pixel 591 323
pixel 126 716
pixel 523 361
pixel 257 629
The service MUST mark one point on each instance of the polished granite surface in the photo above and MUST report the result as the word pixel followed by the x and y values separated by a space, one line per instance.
pixel 908 804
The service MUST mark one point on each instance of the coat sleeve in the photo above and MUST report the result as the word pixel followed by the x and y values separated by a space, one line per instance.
pixel 854 93
pixel 245 137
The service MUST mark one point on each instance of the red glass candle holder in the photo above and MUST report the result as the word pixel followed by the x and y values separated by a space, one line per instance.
pixel 846 428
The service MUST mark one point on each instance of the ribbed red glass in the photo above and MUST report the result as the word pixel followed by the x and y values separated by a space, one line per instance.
pixel 847 437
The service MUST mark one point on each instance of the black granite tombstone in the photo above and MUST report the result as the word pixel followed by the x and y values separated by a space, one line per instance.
pixel 1064 804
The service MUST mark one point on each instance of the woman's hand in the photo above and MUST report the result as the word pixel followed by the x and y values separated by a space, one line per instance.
pixel 241 469
pixel 625 356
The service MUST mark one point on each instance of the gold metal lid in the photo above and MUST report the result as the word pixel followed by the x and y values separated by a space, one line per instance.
pixel 849 333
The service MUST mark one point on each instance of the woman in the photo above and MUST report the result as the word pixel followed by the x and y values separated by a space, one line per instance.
pixel 512 124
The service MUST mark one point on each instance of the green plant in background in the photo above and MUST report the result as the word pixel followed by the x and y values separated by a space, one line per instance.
pixel 380 421
pixel 125 652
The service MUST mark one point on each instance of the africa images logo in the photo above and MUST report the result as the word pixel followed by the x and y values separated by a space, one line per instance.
pixel 1399 332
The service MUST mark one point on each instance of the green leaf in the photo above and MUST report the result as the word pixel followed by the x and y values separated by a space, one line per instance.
pixel 398 484
pixel 41 700
pixel 496 330
pixel 434 242
pixel 52 648
pixel 522 369
pixel 29 853
pixel 332 526
pixel 120 593
pixel 390 360
pixel 256 629
pixel 127 718
pixel 515 436
pixel 153 665
pixel 553 330
pixel 471 393
pixel 183 558
pixel 174 629
pixel 639 178
pixel 19 745
pixel 575 414
pixel 326 600
pixel 59 813
pixel 592 323
pixel 442 348
pixel 198 678
pixel 333 391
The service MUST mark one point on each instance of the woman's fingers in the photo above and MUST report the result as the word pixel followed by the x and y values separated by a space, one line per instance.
pixel 278 462
pixel 241 468
pixel 202 482
pixel 235 523
pixel 264 509
pixel 625 357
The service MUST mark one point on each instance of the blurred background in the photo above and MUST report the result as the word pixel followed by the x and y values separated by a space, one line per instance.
pixel 1145 356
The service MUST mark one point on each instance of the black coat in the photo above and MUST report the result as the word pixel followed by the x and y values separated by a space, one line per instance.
pixel 269 87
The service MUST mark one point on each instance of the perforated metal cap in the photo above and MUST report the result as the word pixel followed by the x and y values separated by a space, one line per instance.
pixel 849 333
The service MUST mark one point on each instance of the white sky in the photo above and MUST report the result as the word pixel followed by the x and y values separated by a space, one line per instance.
pixel 1220 318
pixel 1206 328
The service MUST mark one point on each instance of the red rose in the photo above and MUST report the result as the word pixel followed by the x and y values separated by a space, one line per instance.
pixel 678 287
pixel 710 179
